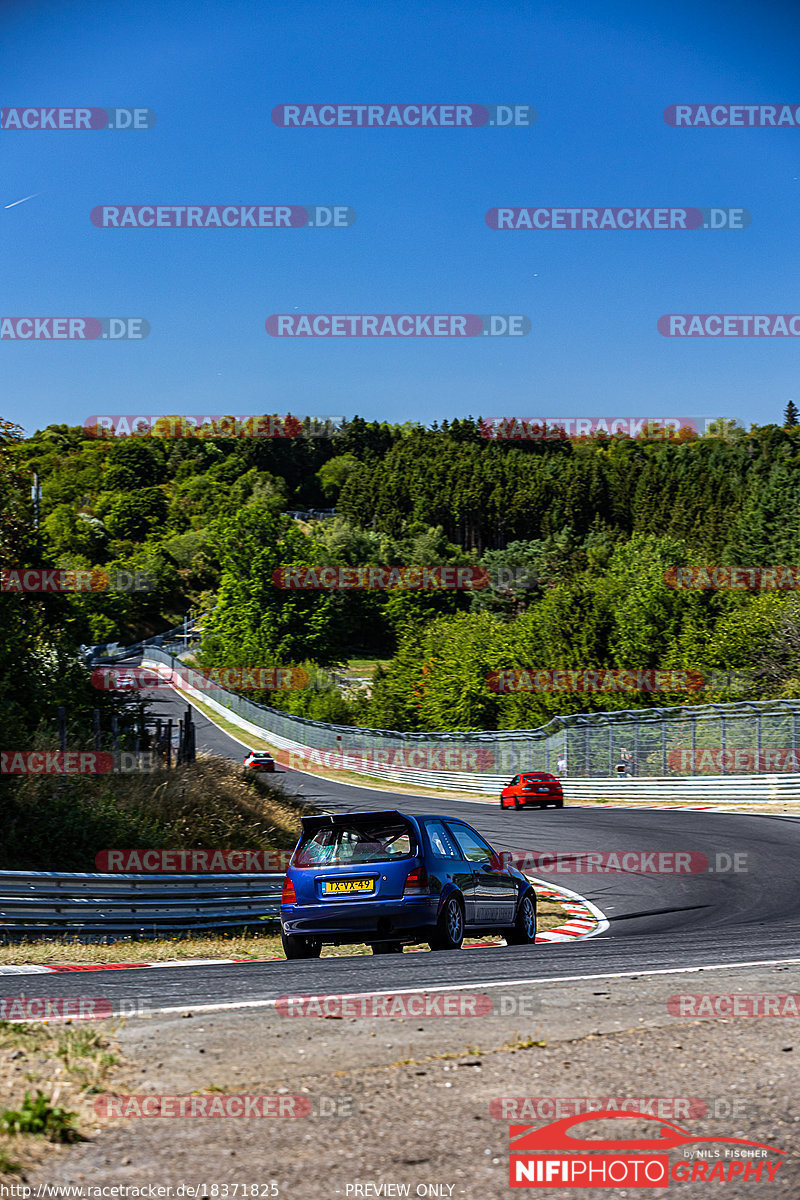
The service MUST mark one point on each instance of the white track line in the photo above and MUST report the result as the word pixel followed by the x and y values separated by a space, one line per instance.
pixel 478 984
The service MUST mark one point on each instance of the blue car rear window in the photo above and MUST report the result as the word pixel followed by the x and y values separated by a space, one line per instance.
pixel 356 844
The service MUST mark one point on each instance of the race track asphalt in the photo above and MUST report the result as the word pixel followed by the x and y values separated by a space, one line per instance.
pixel 658 922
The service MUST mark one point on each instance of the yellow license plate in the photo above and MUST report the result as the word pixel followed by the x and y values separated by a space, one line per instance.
pixel 347 887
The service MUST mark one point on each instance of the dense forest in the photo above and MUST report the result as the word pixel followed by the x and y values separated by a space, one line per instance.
pixel 576 536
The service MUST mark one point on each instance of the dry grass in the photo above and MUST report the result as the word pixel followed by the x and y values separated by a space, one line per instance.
pixel 68 1064
pixel 212 803
pixel 55 951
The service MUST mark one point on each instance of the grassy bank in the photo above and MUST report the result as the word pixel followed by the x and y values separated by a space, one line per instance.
pixel 61 824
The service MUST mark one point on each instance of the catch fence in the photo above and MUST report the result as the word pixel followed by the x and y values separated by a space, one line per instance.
pixel 745 738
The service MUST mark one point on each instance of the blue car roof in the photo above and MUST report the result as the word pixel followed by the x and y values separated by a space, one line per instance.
pixel 320 820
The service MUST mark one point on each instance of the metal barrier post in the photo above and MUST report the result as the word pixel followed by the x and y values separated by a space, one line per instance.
pixel 663 744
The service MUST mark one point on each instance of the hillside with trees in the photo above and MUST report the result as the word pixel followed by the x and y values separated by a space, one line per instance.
pixel 576 533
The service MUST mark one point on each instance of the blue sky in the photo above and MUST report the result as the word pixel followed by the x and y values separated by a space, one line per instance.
pixel 599 77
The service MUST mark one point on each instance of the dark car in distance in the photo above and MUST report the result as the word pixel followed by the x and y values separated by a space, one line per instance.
pixel 391 879
pixel 532 789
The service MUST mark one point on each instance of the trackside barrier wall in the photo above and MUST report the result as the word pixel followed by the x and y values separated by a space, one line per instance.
pixel 171 640
pixel 48 902
pixel 315 745
pixel 107 907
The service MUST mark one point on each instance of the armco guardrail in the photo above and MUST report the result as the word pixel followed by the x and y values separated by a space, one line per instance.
pixel 47 902
pixel 698 789
pixel 171 639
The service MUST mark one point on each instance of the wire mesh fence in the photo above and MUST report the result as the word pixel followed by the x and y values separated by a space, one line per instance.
pixel 743 738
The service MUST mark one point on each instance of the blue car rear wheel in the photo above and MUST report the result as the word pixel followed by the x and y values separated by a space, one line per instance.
pixel 524 931
pixel 449 927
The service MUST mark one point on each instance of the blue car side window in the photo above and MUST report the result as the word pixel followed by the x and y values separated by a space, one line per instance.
pixel 440 840
pixel 474 849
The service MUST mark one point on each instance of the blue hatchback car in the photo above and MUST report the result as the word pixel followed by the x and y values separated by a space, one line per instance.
pixel 390 879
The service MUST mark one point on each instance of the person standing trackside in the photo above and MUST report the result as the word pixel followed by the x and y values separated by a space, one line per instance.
pixel 561 765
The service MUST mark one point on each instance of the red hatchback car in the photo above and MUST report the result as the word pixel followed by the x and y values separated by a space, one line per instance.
pixel 532 788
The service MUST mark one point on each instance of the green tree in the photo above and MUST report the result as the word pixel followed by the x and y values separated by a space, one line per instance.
pixel 258 623
pixel 133 516
pixel 333 474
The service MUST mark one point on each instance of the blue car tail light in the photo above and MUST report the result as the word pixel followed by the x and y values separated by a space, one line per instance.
pixel 417 883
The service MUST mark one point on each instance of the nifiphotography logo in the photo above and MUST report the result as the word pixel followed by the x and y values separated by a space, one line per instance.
pixel 635 1162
